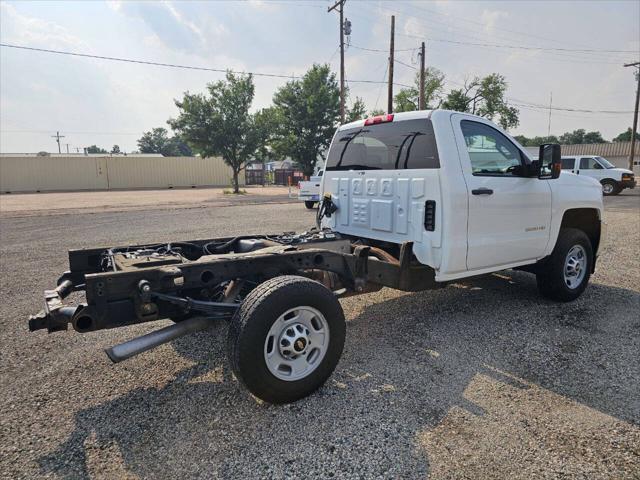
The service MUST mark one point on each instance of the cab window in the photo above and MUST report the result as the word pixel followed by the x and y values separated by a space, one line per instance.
pixel 568 163
pixel 386 146
pixel 490 152
pixel 589 163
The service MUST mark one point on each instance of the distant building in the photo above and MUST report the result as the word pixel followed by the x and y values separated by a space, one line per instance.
pixel 47 154
pixel 616 152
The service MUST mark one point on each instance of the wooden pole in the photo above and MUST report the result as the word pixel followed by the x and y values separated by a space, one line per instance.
pixel 390 91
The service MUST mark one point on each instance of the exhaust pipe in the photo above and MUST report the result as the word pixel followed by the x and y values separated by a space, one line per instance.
pixel 133 347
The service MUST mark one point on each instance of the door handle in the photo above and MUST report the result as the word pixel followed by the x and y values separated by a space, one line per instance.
pixel 482 191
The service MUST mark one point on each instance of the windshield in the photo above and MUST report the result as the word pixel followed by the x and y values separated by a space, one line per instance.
pixel 387 146
pixel 605 163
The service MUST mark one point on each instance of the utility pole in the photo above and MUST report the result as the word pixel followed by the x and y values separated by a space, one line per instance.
pixel 634 129
pixel 422 100
pixel 67 147
pixel 339 5
pixel 550 103
pixel 57 136
pixel 390 92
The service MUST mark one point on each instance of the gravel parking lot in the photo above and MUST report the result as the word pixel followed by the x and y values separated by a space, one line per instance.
pixel 477 380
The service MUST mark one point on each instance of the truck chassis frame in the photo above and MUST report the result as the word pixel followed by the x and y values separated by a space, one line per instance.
pixel 144 294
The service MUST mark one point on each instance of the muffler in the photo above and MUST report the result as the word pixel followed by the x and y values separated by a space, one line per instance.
pixel 133 347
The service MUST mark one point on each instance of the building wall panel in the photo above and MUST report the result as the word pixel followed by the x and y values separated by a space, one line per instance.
pixel 24 174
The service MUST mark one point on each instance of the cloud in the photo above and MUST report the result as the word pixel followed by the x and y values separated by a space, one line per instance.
pixel 25 30
pixel 492 17
pixel 176 25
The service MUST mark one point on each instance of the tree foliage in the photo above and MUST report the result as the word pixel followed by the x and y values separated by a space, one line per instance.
pixel 305 113
pixel 485 97
pixel 158 141
pixel 376 112
pixel 407 99
pixel 581 136
pixel 95 149
pixel 535 141
pixel 626 136
pixel 115 149
pixel 357 111
pixel 220 124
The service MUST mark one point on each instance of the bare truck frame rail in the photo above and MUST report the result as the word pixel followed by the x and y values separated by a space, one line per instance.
pixel 196 282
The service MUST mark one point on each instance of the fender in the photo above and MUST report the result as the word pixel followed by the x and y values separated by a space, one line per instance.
pixel 573 193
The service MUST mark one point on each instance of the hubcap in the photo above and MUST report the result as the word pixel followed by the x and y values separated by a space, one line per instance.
pixel 607 188
pixel 296 343
pixel 575 266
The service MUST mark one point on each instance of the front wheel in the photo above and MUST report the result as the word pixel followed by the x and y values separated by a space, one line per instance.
pixel 610 187
pixel 286 338
pixel 564 275
pixel 309 204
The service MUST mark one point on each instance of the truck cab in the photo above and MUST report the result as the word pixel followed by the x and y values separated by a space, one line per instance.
pixel 612 178
pixel 459 188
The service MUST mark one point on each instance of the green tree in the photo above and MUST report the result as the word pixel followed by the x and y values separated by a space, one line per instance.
pixel 626 136
pixel 115 149
pixel 535 141
pixel 485 97
pixel 94 149
pixel 407 99
pixel 219 124
pixel 306 113
pixel 158 141
pixel 357 111
pixel 580 136
pixel 376 112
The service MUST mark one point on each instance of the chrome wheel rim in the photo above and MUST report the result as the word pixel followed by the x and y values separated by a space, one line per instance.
pixel 607 188
pixel 575 266
pixel 296 343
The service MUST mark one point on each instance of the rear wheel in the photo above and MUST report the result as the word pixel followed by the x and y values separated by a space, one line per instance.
pixel 564 275
pixel 610 187
pixel 286 338
pixel 309 204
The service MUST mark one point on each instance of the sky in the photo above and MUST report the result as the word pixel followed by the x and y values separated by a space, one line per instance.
pixel 541 52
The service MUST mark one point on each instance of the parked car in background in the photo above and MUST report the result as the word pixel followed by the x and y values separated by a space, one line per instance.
pixel 612 178
pixel 309 191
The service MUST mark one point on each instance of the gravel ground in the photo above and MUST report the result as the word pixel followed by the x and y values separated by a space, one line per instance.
pixel 478 380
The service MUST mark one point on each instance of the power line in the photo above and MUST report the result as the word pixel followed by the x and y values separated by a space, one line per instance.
pixel 405 64
pixel 519 47
pixel 170 65
pixel 524 47
pixel 189 67
pixel 379 50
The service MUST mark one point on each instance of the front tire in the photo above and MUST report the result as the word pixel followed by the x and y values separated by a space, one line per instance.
pixel 286 338
pixel 564 275
pixel 610 187
pixel 309 204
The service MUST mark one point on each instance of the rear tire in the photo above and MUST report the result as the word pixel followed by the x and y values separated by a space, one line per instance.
pixel 610 187
pixel 564 275
pixel 309 204
pixel 279 315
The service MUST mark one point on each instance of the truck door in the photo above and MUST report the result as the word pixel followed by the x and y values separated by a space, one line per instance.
pixel 590 167
pixel 509 215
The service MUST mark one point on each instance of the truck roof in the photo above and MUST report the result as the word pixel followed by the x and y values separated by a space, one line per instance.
pixel 411 116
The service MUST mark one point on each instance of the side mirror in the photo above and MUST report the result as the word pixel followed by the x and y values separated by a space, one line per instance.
pixel 549 161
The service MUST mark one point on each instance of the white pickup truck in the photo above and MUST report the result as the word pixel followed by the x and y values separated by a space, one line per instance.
pixel 309 190
pixel 410 201
pixel 468 197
